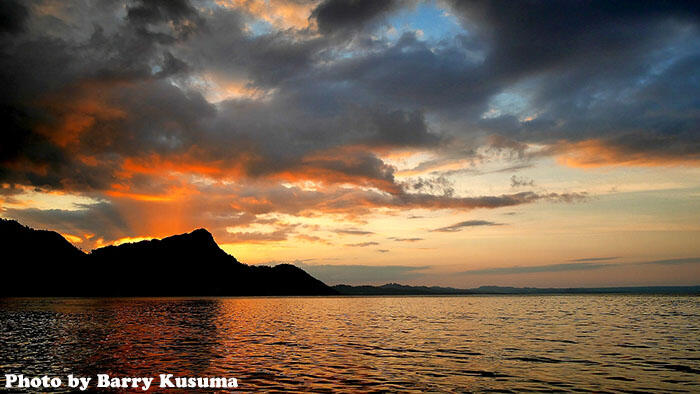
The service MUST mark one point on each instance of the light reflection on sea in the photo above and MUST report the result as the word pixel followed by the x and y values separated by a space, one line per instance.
pixel 344 344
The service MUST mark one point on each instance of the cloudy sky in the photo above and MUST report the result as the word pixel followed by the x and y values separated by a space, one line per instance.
pixel 461 143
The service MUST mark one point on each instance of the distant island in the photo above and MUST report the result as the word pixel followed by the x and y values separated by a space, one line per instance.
pixel 397 289
pixel 43 263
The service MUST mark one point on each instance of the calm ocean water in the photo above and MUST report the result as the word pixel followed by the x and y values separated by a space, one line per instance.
pixel 336 344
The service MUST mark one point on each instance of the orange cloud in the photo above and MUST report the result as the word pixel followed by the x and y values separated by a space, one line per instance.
pixel 156 165
pixel 312 238
pixel 279 13
pixel 345 165
pixel 172 193
pixel 595 153
pixel 77 110
pixel 140 197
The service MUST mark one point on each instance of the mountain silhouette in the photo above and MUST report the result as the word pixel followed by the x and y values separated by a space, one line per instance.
pixel 43 263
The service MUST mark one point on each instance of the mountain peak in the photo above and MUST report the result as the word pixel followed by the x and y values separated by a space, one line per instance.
pixel 184 264
pixel 201 231
pixel 196 245
pixel 200 235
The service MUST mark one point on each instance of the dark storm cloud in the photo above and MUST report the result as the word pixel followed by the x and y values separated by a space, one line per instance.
pixel 579 58
pixel 289 64
pixel 400 128
pixel 416 75
pixel 537 36
pixel 13 16
pixel 462 225
pixel 109 97
pixel 157 11
pixel 313 98
pixel 614 71
pixel 54 86
pixel 338 15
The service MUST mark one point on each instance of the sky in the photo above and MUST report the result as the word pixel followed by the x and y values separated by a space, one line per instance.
pixel 454 143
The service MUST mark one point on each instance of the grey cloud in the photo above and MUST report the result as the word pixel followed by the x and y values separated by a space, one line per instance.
pixel 689 260
pixel 406 239
pixel 557 34
pixel 337 15
pixel 574 67
pixel 439 185
pixel 156 11
pixel 101 219
pixel 589 62
pixel 292 65
pixel 404 128
pixel 179 15
pixel 477 172
pixel 446 80
pixel 519 181
pixel 624 74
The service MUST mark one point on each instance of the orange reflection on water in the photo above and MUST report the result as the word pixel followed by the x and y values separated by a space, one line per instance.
pixel 359 344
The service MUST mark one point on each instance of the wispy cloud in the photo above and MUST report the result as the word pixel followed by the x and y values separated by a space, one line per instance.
pixel 689 260
pixel 363 244
pixel 406 239
pixel 352 231
pixel 591 263
pixel 469 223
pixel 595 259
pixel 537 268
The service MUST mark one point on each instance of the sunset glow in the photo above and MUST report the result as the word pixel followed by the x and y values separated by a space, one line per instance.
pixel 429 142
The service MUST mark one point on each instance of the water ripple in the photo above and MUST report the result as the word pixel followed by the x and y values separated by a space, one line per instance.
pixel 373 344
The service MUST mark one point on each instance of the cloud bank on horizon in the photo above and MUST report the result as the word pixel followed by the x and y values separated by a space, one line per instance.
pixel 293 128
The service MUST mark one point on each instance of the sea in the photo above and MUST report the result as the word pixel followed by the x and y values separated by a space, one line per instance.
pixel 513 343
